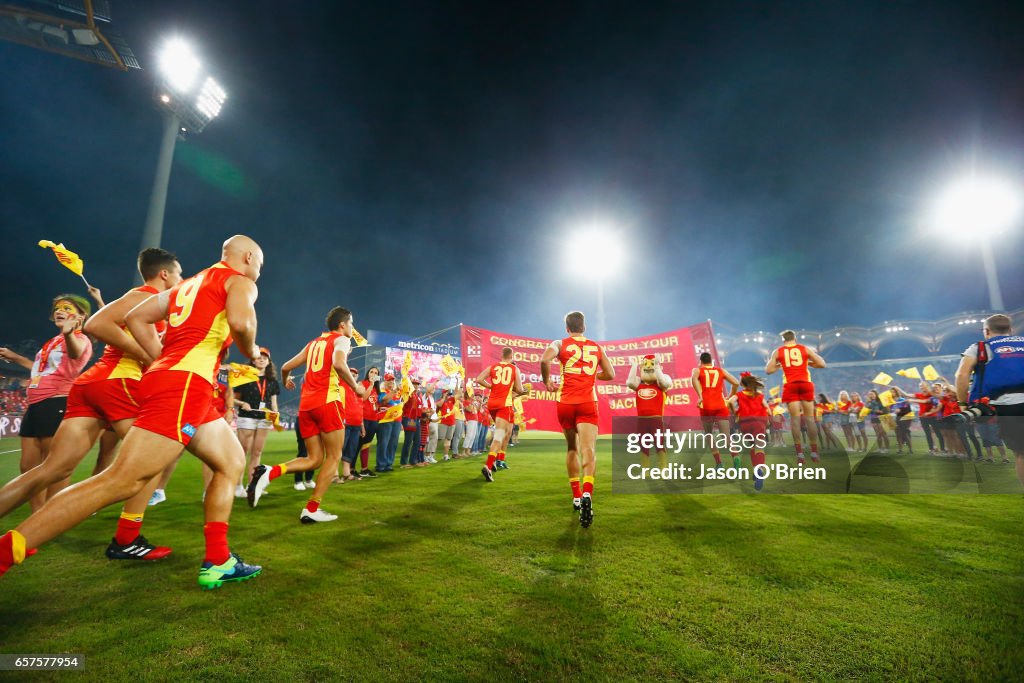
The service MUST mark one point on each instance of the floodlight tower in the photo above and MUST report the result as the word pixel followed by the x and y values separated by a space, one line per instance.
pixel 597 254
pixel 189 98
pixel 981 208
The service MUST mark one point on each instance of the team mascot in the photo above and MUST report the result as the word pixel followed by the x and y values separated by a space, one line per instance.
pixel 651 385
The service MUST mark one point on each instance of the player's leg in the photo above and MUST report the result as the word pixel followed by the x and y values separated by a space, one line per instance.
pixel 709 423
pixel 330 445
pixel 807 410
pixel 796 427
pixel 587 443
pixel 501 427
pixel 69 446
pixel 143 455
pixel 723 428
pixel 220 450
pixel 503 446
pixel 128 542
pixel 109 440
pixel 159 493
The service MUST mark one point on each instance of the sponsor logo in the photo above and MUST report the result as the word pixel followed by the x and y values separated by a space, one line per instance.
pixel 1009 349
pixel 473 350
pixel 647 392
pixel 188 430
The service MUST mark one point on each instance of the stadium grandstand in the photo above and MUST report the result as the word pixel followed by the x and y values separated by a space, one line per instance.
pixel 855 355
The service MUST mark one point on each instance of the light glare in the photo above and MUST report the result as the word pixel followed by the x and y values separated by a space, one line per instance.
pixel 179 65
pixel 977 205
pixel 595 252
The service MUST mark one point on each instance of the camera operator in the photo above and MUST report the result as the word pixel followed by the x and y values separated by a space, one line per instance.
pixel 997 365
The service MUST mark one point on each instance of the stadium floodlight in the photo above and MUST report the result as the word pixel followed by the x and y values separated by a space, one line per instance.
pixel 596 253
pixel 980 208
pixel 190 98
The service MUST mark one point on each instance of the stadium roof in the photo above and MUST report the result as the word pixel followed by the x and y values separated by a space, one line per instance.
pixel 68 27
pixel 864 340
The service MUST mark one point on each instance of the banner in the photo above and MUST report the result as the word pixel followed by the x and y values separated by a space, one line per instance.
pixel 678 351
pixel 10 424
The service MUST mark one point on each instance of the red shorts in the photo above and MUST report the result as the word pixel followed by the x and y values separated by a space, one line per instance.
pixel 722 412
pixel 753 425
pixel 175 404
pixel 505 413
pixel 798 391
pixel 109 400
pixel 326 418
pixel 572 414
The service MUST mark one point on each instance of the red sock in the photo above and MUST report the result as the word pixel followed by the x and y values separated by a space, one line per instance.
pixel 216 534
pixel 588 486
pixel 364 457
pixel 756 458
pixel 128 528
pixel 6 552
pixel 275 472
pixel 799 449
pixel 501 456
pixel 577 492
pixel 313 505
pixel 718 457
pixel 491 457
pixel 814 451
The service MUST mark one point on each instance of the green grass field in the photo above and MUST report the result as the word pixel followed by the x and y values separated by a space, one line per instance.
pixel 431 574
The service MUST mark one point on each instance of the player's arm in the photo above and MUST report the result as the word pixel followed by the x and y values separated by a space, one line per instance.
pixel 517 384
pixel 240 311
pixel 815 361
pixel 484 378
pixel 633 379
pixel 772 366
pixel 731 380
pixel 290 364
pixel 963 378
pixel 105 325
pixel 142 319
pixel 340 360
pixel 695 384
pixel 607 373
pixel 550 353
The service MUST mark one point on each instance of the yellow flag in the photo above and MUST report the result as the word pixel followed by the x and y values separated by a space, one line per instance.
pixel 393 413
pixel 242 374
pixel 275 418
pixel 774 391
pixel 67 258
pixel 886 398
pixel 359 339
pixel 469 389
pixel 407 363
pixel 449 366
pixel 930 373
pixel 882 378
pixel 864 412
pixel 909 373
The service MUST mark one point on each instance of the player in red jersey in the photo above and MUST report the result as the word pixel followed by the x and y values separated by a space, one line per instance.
pixel 105 396
pixel 321 413
pixel 708 381
pixel 505 383
pixel 577 405
pixel 650 383
pixel 204 313
pixel 795 361
pixel 752 417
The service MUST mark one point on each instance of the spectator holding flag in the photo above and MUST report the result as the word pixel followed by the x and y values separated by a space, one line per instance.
pixel 53 370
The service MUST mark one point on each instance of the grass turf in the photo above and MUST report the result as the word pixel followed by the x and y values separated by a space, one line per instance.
pixel 433 574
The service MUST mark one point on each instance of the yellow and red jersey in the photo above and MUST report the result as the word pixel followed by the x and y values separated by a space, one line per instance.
pixel 321 385
pixel 750 405
pixel 794 361
pixel 650 400
pixel 580 358
pixel 197 324
pixel 502 377
pixel 115 363
pixel 711 381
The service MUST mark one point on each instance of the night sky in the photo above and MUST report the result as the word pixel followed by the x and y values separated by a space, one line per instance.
pixel 768 165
